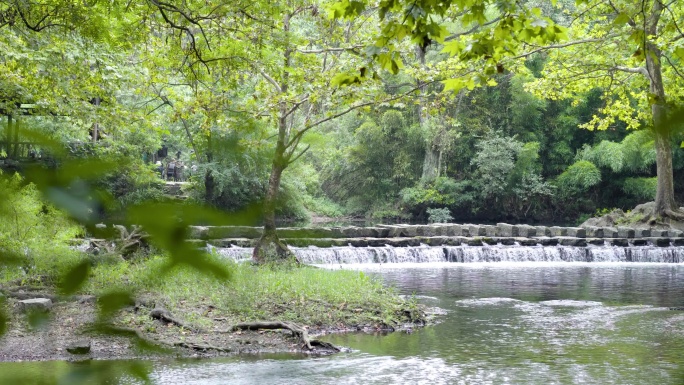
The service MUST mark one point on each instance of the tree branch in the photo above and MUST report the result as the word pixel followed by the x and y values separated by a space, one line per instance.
pixel 271 80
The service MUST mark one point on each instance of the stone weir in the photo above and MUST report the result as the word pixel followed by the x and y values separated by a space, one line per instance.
pixel 446 234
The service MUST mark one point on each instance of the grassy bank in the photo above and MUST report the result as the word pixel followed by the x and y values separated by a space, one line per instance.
pixel 307 295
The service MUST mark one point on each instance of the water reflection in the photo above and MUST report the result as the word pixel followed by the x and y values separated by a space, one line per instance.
pixel 522 323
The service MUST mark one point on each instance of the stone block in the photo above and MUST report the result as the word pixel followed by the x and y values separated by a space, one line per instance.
pixel 621 242
pixel 658 233
pixel 571 241
pixel 609 232
pixel 34 304
pixel 640 242
pixel 506 230
pixel 558 231
pixel 490 231
pixel 506 241
pixel 675 233
pixel 576 232
pixel 626 232
pixel 596 241
pixel 474 242
pixel 594 232
pixel 453 230
pixel 527 241
pixel 661 242
pixel 490 241
pixel 477 231
pixel 641 233
pixel 543 231
pixel 547 241
pixel 526 231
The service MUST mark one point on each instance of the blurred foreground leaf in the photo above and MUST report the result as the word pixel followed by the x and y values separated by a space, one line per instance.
pixel 75 278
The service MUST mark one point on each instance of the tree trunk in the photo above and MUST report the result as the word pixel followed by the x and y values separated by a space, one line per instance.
pixel 269 248
pixel 209 182
pixel 664 201
pixel 431 160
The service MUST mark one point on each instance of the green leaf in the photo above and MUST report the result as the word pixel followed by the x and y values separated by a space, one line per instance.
pixel 114 301
pixel 75 278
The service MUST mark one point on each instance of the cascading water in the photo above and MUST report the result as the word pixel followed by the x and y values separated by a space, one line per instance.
pixel 473 254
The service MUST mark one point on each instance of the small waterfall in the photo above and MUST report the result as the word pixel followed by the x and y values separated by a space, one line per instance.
pixel 387 254
pixel 472 254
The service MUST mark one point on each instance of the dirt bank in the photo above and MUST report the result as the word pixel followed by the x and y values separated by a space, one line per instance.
pixel 70 323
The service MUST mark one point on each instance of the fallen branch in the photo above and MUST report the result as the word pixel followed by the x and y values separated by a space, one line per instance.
pixel 296 330
pixel 164 315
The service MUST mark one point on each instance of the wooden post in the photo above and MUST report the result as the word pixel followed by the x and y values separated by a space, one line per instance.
pixel 96 126
pixel 9 137
pixel 15 150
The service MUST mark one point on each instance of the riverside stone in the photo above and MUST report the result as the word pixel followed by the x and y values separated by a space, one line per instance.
pixel 506 241
pixel 474 242
pixel 640 242
pixel 659 233
pixel 453 230
pixel 35 304
pixel 678 241
pixel 79 347
pixel 596 241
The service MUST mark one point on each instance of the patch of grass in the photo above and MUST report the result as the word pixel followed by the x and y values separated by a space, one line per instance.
pixel 307 295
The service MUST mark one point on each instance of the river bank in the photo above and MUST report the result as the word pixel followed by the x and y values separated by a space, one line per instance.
pixel 188 314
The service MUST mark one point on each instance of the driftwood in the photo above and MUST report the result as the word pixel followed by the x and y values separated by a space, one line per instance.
pixel 126 243
pixel 164 315
pixel 296 330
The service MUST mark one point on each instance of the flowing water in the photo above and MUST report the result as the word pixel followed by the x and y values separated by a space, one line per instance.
pixel 535 316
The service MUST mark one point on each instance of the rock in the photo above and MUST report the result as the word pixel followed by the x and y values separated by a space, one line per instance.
pixel 526 231
pixel 641 233
pixel 607 220
pixel 626 232
pixel 35 304
pixel 79 347
pixel 622 242
pixel 594 232
pixel 610 232
pixel 506 230
pixel 675 233
pixel 477 231
pixel 558 231
pixel 546 241
pixel 577 232
pixel 543 231
pixel 491 231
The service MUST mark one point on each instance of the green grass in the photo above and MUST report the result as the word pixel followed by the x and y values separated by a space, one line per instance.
pixel 307 295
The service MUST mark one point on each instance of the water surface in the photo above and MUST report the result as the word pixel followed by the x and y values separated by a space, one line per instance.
pixel 505 323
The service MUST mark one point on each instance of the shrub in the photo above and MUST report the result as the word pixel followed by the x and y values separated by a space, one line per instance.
pixel 441 215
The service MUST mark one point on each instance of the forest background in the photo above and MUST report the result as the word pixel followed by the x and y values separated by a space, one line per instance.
pixel 552 135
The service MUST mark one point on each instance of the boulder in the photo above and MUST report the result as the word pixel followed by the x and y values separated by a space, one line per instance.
pixel 79 347
pixel 34 304
pixel 547 241
pixel 675 233
pixel 526 231
pixel 610 232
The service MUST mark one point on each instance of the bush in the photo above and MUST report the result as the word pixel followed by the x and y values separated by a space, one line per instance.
pixel 37 232
pixel 442 215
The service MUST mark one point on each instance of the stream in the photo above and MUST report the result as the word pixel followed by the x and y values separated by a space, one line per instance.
pixel 505 323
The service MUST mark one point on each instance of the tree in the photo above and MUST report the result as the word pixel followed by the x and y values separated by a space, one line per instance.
pixel 632 52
